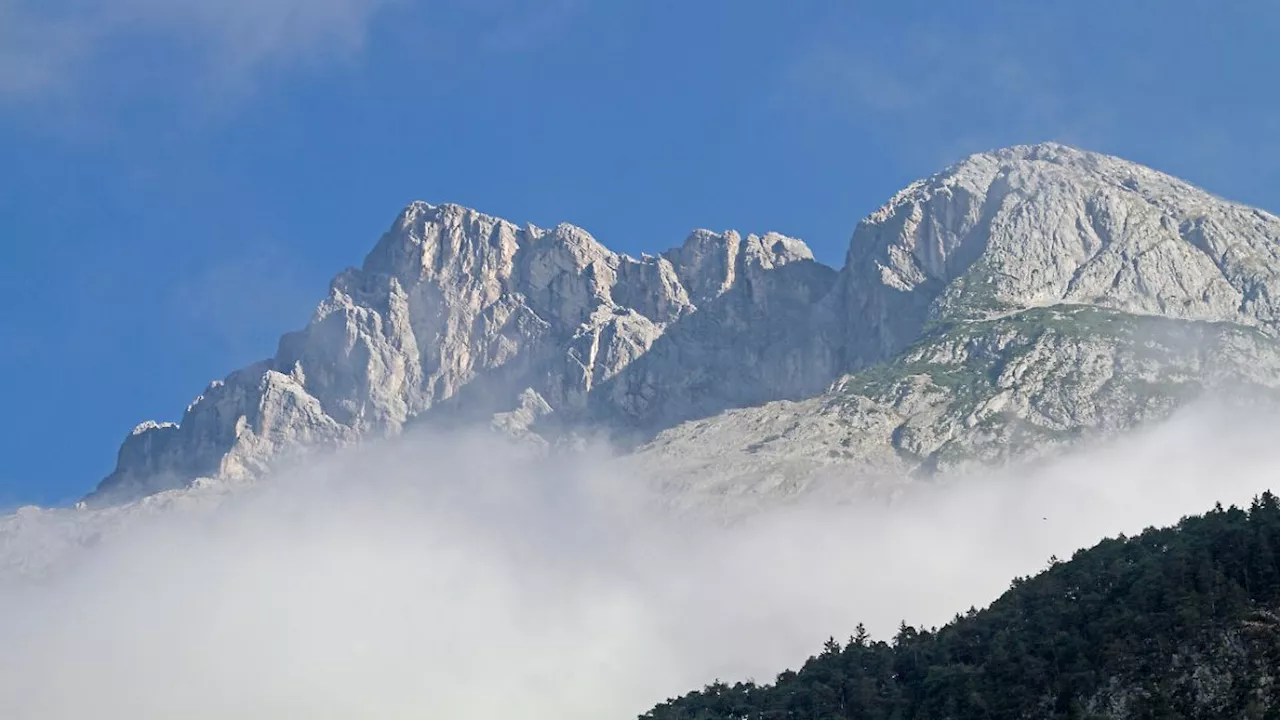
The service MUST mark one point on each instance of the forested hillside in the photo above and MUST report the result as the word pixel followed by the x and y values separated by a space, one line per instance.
pixel 1173 623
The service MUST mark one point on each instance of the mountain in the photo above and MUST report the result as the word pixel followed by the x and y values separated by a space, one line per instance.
pixel 1174 623
pixel 1010 306
pixel 459 317
pixel 1007 308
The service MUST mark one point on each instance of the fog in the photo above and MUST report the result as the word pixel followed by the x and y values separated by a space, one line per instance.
pixel 435 577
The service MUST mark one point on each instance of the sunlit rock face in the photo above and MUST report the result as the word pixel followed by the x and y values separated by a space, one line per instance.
pixel 459 317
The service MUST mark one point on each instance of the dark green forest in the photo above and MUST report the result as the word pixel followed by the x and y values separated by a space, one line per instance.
pixel 1173 623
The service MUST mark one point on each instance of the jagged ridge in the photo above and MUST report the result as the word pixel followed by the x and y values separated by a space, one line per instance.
pixel 459 316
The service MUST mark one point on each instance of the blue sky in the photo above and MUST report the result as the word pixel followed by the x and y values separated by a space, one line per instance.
pixel 182 177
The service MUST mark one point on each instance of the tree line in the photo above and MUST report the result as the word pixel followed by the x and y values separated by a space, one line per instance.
pixel 1172 623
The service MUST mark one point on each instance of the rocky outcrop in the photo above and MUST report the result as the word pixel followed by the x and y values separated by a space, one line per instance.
pixel 456 316
pixel 1009 304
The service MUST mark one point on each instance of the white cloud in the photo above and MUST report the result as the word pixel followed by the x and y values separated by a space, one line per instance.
pixel 434 577
pixel 52 44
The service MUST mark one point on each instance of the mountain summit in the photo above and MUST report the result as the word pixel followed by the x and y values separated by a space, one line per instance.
pixel 458 316
pixel 1017 301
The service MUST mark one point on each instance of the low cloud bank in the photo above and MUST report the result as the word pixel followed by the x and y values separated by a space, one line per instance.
pixel 456 578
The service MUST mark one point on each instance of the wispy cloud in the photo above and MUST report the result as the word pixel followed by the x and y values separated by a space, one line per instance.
pixel 55 45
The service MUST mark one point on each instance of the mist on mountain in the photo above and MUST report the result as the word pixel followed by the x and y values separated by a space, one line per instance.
pixel 456 576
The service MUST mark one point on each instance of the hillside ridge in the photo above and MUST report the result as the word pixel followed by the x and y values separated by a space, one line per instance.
pixel 1174 622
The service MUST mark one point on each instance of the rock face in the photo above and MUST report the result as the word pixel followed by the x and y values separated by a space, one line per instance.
pixel 456 316
pixel 1046 224
pixel 1013 303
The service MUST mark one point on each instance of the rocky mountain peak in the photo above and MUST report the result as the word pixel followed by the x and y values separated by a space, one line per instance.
pixel 708 263
pixel 1038 225
pixel 459 316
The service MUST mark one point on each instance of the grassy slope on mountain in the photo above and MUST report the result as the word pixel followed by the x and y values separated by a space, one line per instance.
pixel 1173 623
pixel 1048 376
